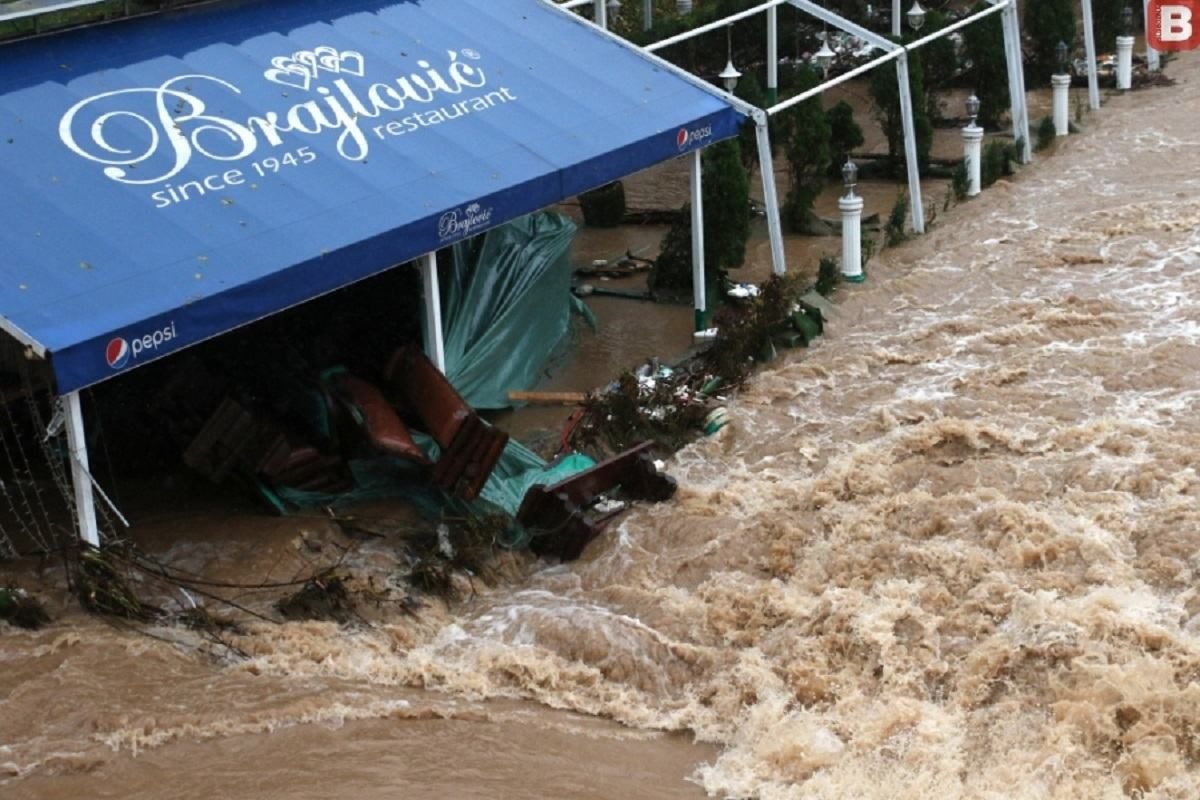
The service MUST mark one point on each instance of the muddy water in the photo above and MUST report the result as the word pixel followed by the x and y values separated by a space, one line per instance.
pixel 948 552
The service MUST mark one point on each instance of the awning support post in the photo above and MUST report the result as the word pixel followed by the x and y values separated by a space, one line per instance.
pixel 1016 79
pixel 435 345
pixel 601 13
pixel 1152 62
pixel 85 504
pixel 772 55
pixel 910 146
pixel 1089 44
pixel 766 165
pixel 647 14
pixel 896 18
pixel 699 288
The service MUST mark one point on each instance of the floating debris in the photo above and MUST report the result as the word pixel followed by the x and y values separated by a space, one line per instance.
pixel 19 608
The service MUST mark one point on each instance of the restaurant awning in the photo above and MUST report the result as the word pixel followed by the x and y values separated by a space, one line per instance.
pixel 165 180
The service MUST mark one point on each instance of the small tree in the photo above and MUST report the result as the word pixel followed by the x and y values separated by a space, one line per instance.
pixel 808 155
pixel 940 60
pixel 885 92
pixel 726 194
pixel 1106 14
pixel 1047 22
pixel 844 135
pixel 983 43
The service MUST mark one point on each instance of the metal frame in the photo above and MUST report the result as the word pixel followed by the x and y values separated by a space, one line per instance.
pixel 81 480
pixel 699 288
pixel 435 343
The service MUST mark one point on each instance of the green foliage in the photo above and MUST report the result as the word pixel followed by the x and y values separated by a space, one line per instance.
pixel 726 223
pixel 1106 16
pixel 754 92
pixel 844 135
pixel 604 207
pixel 807 149
pixel 999 160
pixel 959 181
pixel 983 43
pixel 885 92
pixel 940 61
pixel 828 276
pixel 895 231
pixel 1046 133
pixel 1046 23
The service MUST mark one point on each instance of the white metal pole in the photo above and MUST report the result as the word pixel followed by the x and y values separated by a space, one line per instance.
pixel 647 14
pixel 1016 79
pixel 910 145
pixel 1124 62
pixel 435 345
pixel 699 289
pixel 1062 87
pixel 85 504
pixel 601 13
pixel 766 165
pixel 896 18
pixel 773 55
pixel 1089 44
pixel 851 206
pixel 1152 62
pixel 972 136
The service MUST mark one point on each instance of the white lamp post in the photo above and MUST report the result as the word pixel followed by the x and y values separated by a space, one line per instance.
pixel 1125 50
pixel 916 16
pixel 851 206
pixel 729 76
pixel 973 147
pixel 1061 81
pixel 824 57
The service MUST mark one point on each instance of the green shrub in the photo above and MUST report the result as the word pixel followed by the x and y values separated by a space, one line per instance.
pixel 895 231
pixel 1046 133
pixel 844 136
pixel 983 43
pixel 807 149
pixel 885 92
pixel 940 61
pixel 1046 23
pixel 726 223
pixel 604 207
pixel 828 276
pixel 999 158
pixel 959 181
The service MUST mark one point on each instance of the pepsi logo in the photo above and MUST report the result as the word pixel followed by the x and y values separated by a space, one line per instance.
pixel 117 353
pixel 686 138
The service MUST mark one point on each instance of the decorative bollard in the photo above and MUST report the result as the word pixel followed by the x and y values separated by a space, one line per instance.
pixel 851 206
pixel 1062 116
pixel 973 148
pixel 1124 62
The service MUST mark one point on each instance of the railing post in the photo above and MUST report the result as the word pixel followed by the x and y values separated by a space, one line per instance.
pixel 699 287
pixel 85 503
pixel 910 145
pixel 435 345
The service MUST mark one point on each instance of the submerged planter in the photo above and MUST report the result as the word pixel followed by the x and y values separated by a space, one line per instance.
pixel 604 207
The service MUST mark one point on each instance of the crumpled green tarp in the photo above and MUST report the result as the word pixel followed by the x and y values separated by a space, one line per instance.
pixel 507 305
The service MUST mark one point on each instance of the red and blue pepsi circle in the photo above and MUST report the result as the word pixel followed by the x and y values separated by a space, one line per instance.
pixel 117 353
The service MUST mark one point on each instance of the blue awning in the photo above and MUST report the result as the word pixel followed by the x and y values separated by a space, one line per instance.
pixel 163 181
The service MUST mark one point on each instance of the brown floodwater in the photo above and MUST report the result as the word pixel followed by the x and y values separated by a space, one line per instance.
pixel 950 551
